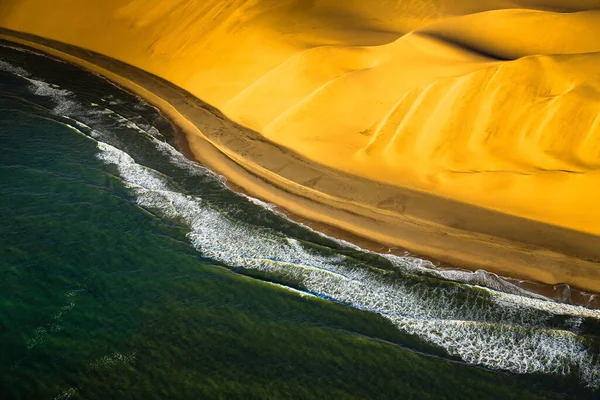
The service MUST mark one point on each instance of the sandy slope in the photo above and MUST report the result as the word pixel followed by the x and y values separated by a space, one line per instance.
pixel 494 103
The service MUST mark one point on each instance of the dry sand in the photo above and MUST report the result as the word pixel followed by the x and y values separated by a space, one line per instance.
pixel 467 131
pixel 494 103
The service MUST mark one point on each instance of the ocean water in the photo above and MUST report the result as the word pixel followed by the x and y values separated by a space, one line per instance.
pixel 128 271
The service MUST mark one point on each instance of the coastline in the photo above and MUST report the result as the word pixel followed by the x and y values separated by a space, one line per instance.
pixel 441 229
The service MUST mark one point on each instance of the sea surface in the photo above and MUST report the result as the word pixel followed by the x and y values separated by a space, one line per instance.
pixel 128 271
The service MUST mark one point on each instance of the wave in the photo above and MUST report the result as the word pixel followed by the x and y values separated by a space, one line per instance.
pixel 509 332
pixel 501 327
pixel 8 67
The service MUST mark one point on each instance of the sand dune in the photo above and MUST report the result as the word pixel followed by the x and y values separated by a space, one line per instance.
pixel 493 103
pixel 524 135
pixel 512 34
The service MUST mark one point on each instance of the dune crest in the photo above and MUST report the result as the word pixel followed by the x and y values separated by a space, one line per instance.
pixel 491 103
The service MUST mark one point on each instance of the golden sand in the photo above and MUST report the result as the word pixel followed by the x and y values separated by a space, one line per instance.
pixel 494 104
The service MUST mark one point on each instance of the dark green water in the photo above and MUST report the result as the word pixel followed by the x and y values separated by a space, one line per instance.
pixel 127 271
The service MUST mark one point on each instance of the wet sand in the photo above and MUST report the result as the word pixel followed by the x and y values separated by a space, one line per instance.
pixel 374 215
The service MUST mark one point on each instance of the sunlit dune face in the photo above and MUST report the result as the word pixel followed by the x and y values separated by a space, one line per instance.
pixel 493 103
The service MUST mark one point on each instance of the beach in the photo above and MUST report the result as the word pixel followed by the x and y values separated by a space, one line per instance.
pixel 450 231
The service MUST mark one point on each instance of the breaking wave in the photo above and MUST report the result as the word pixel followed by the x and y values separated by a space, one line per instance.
pixel 481 326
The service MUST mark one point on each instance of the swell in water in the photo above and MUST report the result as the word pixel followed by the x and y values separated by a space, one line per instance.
pixel 500 326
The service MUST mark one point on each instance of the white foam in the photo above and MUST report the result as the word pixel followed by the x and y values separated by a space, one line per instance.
pixel 41 333
pixel 8 67
pixel 140 177
pixel 65 103
pixel 111 360
pixel 99 364
pixel 508 334
pixel 301 293
pixel 66 394
pixel 509 347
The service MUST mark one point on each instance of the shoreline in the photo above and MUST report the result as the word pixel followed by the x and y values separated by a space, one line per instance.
pixel 348 207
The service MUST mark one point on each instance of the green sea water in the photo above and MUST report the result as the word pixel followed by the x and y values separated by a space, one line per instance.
pixel 127 271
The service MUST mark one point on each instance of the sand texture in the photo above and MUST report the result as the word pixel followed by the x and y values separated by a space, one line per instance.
pixel 492 103
pixel 478 121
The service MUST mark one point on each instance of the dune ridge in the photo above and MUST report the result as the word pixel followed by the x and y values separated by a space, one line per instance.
pixel 493 103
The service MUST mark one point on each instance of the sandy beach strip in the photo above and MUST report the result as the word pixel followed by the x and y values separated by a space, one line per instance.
pixel 387 217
